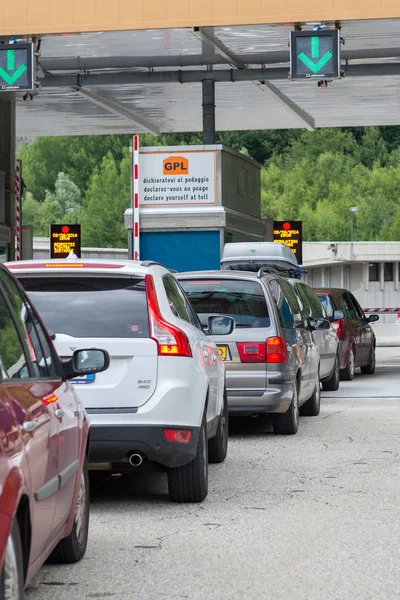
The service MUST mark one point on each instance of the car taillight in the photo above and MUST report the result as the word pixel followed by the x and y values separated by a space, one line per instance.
pixel 276 350
pixel 251 352
pixel 338 327
pixel 171 340
pixel 272 351
pixel 182 436
pixel 49 399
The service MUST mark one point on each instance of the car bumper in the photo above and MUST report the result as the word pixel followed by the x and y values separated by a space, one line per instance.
pixel 115 443
pixel 275 399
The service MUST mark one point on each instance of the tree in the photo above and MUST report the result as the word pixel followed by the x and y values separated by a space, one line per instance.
pixel 104 204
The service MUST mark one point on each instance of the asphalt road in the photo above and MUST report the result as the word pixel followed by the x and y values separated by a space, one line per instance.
pixel 308 517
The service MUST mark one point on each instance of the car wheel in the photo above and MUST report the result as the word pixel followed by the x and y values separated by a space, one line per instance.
pixel 312 406
pixel 332 384
pixel 347 374
pixel 288 422
pixel 218 445
pixel 72 548
pixel 12 577
pixel 189 483
pixel 369 369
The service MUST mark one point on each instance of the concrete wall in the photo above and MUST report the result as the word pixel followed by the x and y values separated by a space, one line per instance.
pixel 19 17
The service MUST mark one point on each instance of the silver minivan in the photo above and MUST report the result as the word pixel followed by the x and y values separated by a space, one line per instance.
pixel 272 362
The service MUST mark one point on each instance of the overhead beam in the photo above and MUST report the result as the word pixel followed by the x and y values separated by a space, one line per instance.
pixel 208 37
pixel 197 76
pixel 276 57
pixel 117 109
pixel 305 119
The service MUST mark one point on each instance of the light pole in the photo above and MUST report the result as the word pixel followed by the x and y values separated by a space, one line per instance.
pixel 352 210
pixel 67 211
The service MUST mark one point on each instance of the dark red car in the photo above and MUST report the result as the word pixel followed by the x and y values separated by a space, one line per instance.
pixel 44 501
pixel 356 337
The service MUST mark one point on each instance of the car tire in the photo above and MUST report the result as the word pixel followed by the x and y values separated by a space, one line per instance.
pixel 347 374
pixel 332 384
pixel 218 445
pixel 189 483
pixel 72 548
pixel 12 576
pixel 369 369
pixel 288 423
pixel 312 407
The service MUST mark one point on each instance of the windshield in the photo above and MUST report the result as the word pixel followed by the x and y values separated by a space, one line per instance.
pixel 91 307
pixel 244 301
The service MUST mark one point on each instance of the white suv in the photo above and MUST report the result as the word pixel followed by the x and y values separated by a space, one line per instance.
pixel 163 395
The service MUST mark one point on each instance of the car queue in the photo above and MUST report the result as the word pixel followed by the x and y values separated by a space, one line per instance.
pixel 171 356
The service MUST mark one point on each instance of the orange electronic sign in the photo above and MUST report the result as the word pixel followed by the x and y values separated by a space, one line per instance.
pixel 65 239
pixel 290 233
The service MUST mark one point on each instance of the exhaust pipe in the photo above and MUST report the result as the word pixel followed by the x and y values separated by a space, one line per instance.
pixel 135 460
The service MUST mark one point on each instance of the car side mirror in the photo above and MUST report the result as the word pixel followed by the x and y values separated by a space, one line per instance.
pixel 338 315
pixel 52 335
pixel 86 362
pixel 322 323
pixel 220 325
pixel 372 318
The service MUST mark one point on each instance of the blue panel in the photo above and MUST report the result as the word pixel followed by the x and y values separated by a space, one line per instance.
pixel 182 250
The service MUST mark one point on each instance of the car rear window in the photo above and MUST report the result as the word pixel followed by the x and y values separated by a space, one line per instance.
pixel 91 307
pixel 244 301
pixel 327 303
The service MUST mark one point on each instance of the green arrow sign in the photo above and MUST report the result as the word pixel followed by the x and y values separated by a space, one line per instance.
pixel 11 75
pixel 310 64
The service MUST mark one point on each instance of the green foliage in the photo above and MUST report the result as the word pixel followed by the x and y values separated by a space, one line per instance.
pixel 104 204
pixel 324 173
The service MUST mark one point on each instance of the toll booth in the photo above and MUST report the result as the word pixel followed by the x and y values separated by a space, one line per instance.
pixel 194 199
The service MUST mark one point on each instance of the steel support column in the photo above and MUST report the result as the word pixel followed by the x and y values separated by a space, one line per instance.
pixel 208 90
pixel 7 173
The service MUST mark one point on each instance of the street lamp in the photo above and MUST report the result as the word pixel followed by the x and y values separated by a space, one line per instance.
pixel 352 210
pixel 67 211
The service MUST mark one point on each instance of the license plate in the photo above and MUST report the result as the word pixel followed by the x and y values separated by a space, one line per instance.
pixel 85 379
pixel 223 352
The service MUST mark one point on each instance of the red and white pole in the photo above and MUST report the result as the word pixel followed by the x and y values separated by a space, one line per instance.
pixel 18 211
pixel 135 200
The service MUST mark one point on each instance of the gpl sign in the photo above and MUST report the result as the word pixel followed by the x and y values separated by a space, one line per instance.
pixel 16 67
pixel 315 54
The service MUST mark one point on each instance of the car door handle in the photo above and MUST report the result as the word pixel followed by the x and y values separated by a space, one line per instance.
pixel 30 426
pixel 59 413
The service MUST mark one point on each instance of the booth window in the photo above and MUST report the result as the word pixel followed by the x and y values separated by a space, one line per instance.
pixel 374 271
pixel 388 272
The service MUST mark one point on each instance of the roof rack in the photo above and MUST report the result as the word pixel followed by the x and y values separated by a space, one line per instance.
pixel 293 273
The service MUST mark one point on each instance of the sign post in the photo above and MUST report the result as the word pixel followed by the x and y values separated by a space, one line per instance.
pixel 16 67
pixel 315 54
pixel 18 210
pixel 290 233
pixel 64 240
pixel 135 200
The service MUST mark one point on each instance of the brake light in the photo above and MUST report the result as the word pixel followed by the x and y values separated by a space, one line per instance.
pixel 276 350
pixel 251 352
pixel 171 340
pixel 272 351
pixel 338 326
pixel 50 399
pixel 181 436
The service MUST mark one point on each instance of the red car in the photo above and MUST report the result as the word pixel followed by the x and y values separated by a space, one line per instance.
pixel 44 434
pixel 356 337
